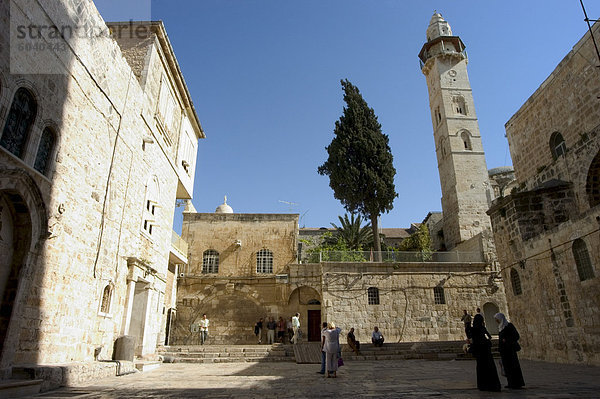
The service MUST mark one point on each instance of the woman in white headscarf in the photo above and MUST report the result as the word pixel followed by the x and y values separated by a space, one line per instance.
pixel 508 347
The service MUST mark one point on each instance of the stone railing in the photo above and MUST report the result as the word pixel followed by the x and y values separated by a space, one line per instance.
pixel 179 244
pixel 392 257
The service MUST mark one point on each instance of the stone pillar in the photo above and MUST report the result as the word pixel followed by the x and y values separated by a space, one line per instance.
pixel 128 306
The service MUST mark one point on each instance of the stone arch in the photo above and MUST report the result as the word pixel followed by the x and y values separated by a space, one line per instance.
pixel 307 301
pixel 592 183
pixel 25 214
pixel 489 310
pixel 465 137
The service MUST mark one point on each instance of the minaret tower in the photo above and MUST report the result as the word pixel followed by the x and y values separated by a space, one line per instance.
pixel 461 161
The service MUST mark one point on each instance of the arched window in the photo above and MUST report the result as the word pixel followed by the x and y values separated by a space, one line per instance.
pixel 466 138
pixel 44 152
pixel 557 145
pixel 582 260
pixel 460 106
pixel 106 299
pixel 210 261
pixel 592 184
pixel 515 281
pixel 439 298
pixel 151 206
pixel 264 261
pixel 373 295
pixel 18 122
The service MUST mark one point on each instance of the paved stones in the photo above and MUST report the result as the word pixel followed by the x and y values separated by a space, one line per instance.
pixel 381 379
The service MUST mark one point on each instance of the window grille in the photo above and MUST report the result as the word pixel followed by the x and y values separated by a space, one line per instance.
pixel 582 260
pixel 44 151
pixel 373 295
pixel 438 296
pixel 18 122
pixel 210 261
pixel 515 281
pixel 558 146
pixel 264 261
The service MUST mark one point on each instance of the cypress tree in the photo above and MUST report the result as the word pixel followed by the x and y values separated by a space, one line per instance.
pixel 360 163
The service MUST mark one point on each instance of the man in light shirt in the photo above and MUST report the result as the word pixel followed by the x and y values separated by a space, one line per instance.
pixel 204 329
pixel 295 327
pixel 377 337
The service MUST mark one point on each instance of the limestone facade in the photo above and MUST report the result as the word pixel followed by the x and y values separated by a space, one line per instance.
pixel 547 229
pixel 99 138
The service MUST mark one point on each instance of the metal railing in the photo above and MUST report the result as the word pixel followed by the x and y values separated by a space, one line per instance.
pixel 179 244
pixel 392 257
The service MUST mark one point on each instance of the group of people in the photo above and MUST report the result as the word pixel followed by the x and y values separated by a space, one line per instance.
pixel 291 326
pixel 480 345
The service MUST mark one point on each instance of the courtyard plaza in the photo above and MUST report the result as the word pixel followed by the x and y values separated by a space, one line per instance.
pixel 356 379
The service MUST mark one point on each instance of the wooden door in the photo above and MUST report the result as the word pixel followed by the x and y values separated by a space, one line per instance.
pixel 314 325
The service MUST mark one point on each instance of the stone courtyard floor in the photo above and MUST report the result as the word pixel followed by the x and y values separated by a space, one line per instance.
pixel 358 379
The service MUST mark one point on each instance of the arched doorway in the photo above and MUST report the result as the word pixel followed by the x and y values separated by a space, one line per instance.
pixel 15 241
pixel 489 310
pixel 306 301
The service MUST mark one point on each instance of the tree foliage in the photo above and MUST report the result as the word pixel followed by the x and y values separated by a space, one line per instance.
pixel 352 233
pixel 360 163
pixel 419 241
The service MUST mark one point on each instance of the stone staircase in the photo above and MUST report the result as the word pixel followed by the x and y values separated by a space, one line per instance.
pixel 227 353
pixel 432 350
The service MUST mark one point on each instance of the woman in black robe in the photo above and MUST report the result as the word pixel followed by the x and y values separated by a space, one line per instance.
pixel 508 347
pixel 481 348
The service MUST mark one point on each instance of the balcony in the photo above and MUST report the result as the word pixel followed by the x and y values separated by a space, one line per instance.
pixel 179 249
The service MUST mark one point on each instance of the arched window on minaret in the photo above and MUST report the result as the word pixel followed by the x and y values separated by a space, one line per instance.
pixel 466 138
pixel 460 106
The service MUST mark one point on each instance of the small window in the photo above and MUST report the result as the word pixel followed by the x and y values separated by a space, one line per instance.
pixel 582 260
pixel 106 299
pixel 557 145
pixel 264 261
pixel 19 122
pixel 210 261
pixel 373 295
pixel 44 152
pixel 151 206
pixel 466 138
pixel 438 296
pixel 460 106
pixel 515 281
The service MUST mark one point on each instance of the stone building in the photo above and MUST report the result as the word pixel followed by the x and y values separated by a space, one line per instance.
pixel 547 229
pixel 99 138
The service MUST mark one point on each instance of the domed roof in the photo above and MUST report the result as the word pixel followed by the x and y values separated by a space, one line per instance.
pixel 224 208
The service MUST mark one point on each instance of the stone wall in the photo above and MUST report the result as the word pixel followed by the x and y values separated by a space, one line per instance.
pixel 540 228
pixel 92 197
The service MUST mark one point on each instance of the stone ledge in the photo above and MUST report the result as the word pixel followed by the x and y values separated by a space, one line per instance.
pixel 72 374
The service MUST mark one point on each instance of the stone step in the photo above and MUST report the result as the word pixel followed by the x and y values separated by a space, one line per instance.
pixel 17 388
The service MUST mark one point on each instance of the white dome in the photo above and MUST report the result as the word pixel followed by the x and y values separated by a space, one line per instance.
pixel 224 208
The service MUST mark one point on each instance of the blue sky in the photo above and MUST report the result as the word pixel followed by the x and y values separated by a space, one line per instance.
pixel 265 80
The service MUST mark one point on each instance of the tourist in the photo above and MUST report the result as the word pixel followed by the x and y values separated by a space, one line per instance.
pixel 323 356
pixel 352 342
pixel 271 326
pixel 280 329
pixel 258 330
pixel 508 347
pixel 481 348
pixel 466 318
pixel 330 344
pixel 204 323
pixel 296 327
pixel 290 330
pixel 377 337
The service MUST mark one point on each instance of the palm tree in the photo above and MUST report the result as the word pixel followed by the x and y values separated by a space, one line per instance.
pixel 351 232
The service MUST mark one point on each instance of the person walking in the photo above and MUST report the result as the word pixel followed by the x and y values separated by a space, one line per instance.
pixel 290 330
pixel 331 346
pixel 204 323
pixel 295 327
pixel 466 319
pixel 258 330
pixel 508 347
pixel 271 326
pixel 481 348
pixel 323 355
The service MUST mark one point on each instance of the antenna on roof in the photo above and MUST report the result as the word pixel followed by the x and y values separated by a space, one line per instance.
pixel 290 204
